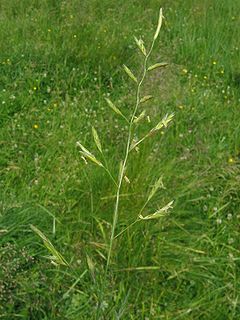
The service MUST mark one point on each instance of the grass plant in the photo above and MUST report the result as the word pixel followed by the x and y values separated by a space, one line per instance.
pixel 60 62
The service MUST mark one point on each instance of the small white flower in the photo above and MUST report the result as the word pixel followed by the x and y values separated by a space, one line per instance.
pixel 229 216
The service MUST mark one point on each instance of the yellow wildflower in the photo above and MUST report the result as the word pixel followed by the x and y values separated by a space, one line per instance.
pixel 35 126
pixel 231 160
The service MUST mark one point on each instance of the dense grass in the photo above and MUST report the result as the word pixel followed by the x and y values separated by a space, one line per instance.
pixel 58 61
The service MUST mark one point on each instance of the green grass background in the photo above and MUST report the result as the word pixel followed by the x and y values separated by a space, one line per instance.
pixel 58 60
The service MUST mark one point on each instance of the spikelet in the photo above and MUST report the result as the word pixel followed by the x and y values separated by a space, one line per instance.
pixel 141 46
pixel 158 214
pixel 96 139
pixel 87 154
pixel 159 24
pixel 163 123
pixel 158 65
pixel 129 73
pixel 127 179
pixel 114 108
pixel 158 184
pixel 146 98
pixel 140 117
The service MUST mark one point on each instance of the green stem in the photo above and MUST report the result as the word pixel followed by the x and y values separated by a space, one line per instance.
pixel 110 175
pixel 132 224
pixel 121 176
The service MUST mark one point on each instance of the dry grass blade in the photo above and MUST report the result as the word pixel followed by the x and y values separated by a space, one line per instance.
pixel 142 268
pixel 56 257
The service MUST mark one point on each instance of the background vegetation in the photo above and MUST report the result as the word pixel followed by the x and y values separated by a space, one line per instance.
pixel 58 60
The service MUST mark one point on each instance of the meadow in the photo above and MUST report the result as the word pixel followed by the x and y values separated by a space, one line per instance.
pixel 60 62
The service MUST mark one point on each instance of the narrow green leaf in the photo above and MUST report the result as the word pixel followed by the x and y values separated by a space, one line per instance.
pixel 158 65
pixel 56 256
pixel 129 73
pixel 96 139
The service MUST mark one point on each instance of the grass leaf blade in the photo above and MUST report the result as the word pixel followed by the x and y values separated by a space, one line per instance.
pixel 56 256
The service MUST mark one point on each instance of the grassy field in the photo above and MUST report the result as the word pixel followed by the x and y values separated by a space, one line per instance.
pixel 59 60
